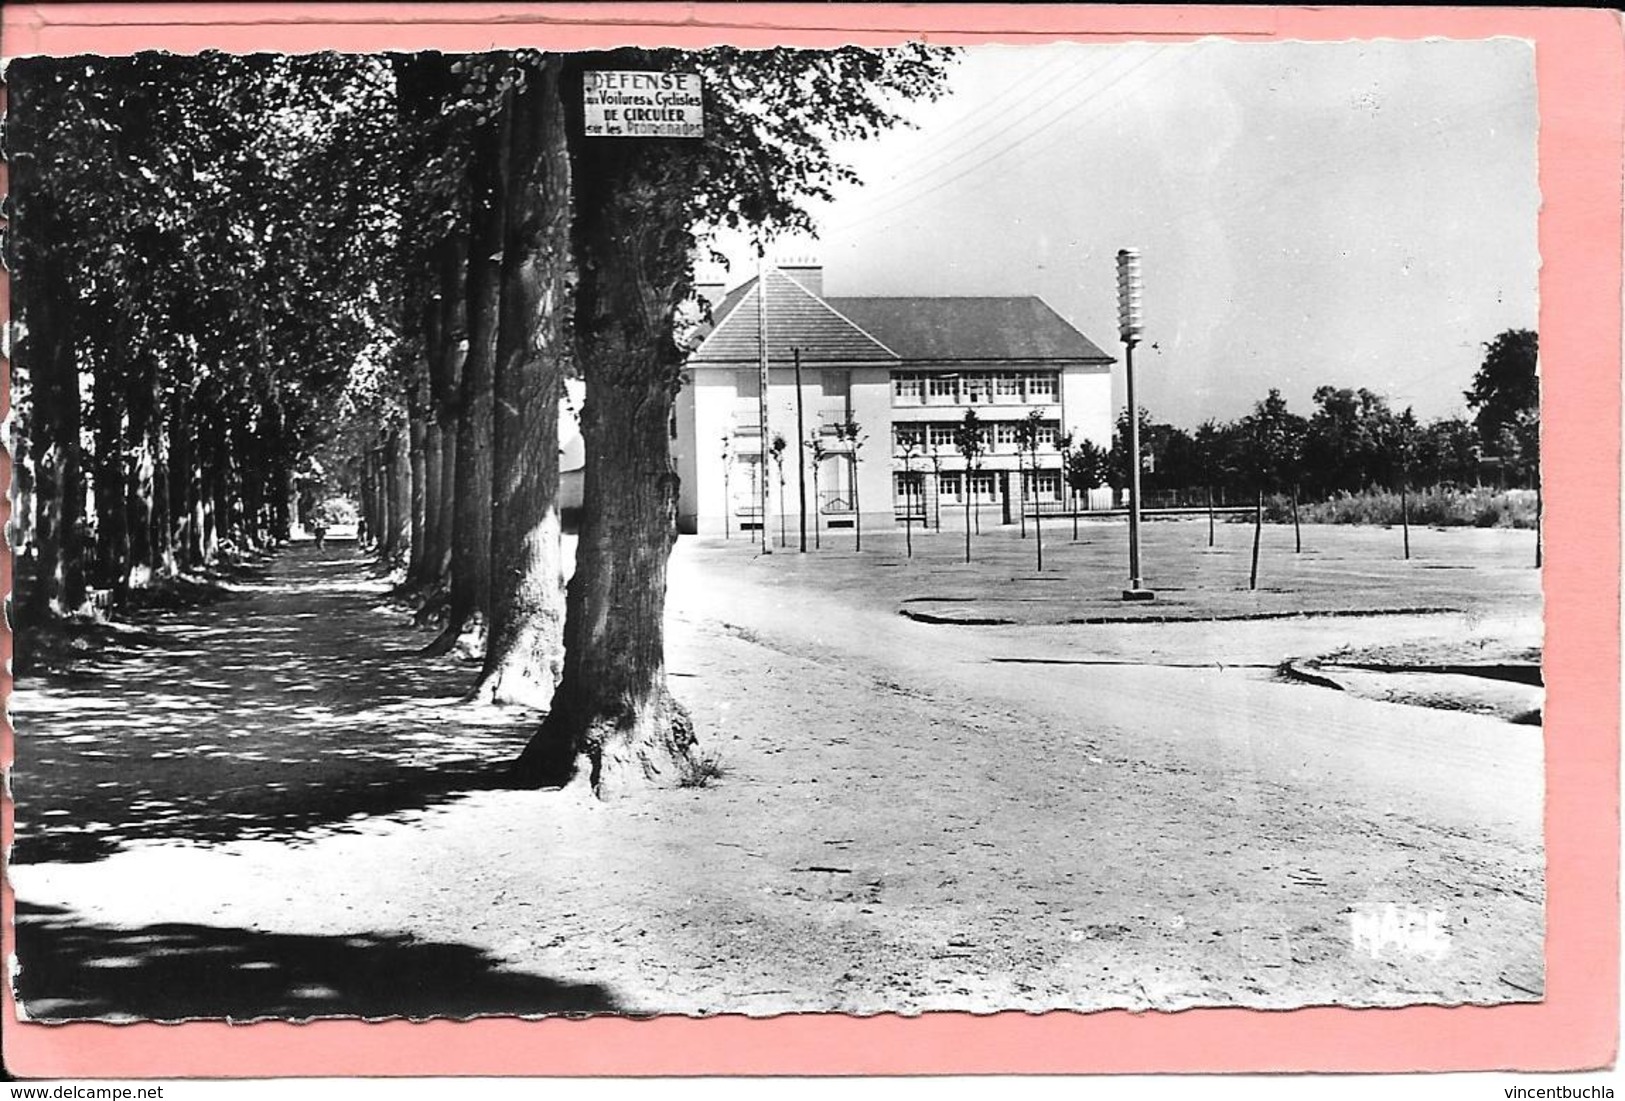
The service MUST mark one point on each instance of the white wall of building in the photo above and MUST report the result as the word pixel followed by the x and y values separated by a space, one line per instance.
pixel 718 402
pixel 1086 393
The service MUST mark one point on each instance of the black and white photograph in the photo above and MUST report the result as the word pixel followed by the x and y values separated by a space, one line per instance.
pixel 726 531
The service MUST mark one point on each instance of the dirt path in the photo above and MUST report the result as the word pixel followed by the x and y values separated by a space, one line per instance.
pixel 297 702
pixel 906 824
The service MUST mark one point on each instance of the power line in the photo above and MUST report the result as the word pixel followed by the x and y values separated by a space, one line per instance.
pixel 962 130
pixel 1051 123
pixel 1056 99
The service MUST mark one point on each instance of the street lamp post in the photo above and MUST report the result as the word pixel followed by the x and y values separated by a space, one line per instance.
pixel 1130 324
pixel 801 454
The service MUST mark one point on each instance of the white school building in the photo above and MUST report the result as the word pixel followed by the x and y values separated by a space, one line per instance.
pixel 902 369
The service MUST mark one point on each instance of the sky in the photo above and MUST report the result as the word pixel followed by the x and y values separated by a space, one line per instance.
pixel 1353 214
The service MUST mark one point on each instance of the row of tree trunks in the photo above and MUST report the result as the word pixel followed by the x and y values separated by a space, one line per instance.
pixel 478 470
pixel 566 251
pixel 156 501
pixel 169 483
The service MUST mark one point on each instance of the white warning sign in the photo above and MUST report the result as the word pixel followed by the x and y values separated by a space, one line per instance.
pixel 643 105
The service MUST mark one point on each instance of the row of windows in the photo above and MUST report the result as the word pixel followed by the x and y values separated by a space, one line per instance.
pixel 962 388
pixel 982 485
pixel 918 387
pixel 927 436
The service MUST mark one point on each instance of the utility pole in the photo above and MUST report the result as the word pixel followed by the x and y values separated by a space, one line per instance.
pixel 801 453
pixel 1130 324
pixel 761 358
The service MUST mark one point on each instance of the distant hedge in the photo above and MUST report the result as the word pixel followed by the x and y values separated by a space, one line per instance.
pixel 1436 507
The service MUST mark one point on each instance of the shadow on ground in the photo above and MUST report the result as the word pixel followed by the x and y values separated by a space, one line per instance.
pixel 298 701
pixel 73 970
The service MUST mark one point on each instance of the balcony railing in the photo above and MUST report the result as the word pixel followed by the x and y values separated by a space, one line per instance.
pixel 836 502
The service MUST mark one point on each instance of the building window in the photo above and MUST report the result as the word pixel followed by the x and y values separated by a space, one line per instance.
pixel 978 388
pixel 905 434
pixel 942 436
pixel 1047 431
pixel 948 485
pixel 1007 386
pixel 1004 435
pixel 1045 485
pixel 907 388
pixel 982 484
pixel 908 491
pixel 945 386
pixel 1041 387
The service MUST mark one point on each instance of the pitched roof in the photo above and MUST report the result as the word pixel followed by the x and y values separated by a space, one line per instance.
pixel 969 328
pixel 796 318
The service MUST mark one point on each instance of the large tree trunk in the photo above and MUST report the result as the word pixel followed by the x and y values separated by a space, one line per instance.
pixel 524 647
pixel 471 540
pixel 447 386
pixel 417 429
pixel 279 508
pixel 427 572
pixel 142 476
pixel 248 483
pixel 182 499
pixel 218 476
pixel 107 469
pixel 446 508
pixel 163 504
pixel 47 355
pixel 372 500
pixel 205 524
pixel 397 491
pixel 402 489
pixel 383 476
pixel 612 711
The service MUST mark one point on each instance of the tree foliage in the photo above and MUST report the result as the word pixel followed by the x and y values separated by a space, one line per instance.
pixel 1505 398
pixel 197 237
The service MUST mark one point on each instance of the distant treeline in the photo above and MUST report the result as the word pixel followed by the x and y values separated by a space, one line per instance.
pixel 1352 442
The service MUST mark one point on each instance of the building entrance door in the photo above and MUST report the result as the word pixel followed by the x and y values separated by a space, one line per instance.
pixel 746 490
pixel 837 503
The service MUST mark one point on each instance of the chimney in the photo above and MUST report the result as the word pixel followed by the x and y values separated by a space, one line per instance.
pixel 806 271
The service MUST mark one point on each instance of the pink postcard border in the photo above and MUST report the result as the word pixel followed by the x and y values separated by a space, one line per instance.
pixel 1581 74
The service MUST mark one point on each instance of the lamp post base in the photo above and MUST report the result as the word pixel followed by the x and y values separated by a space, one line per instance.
pixel 1139 594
